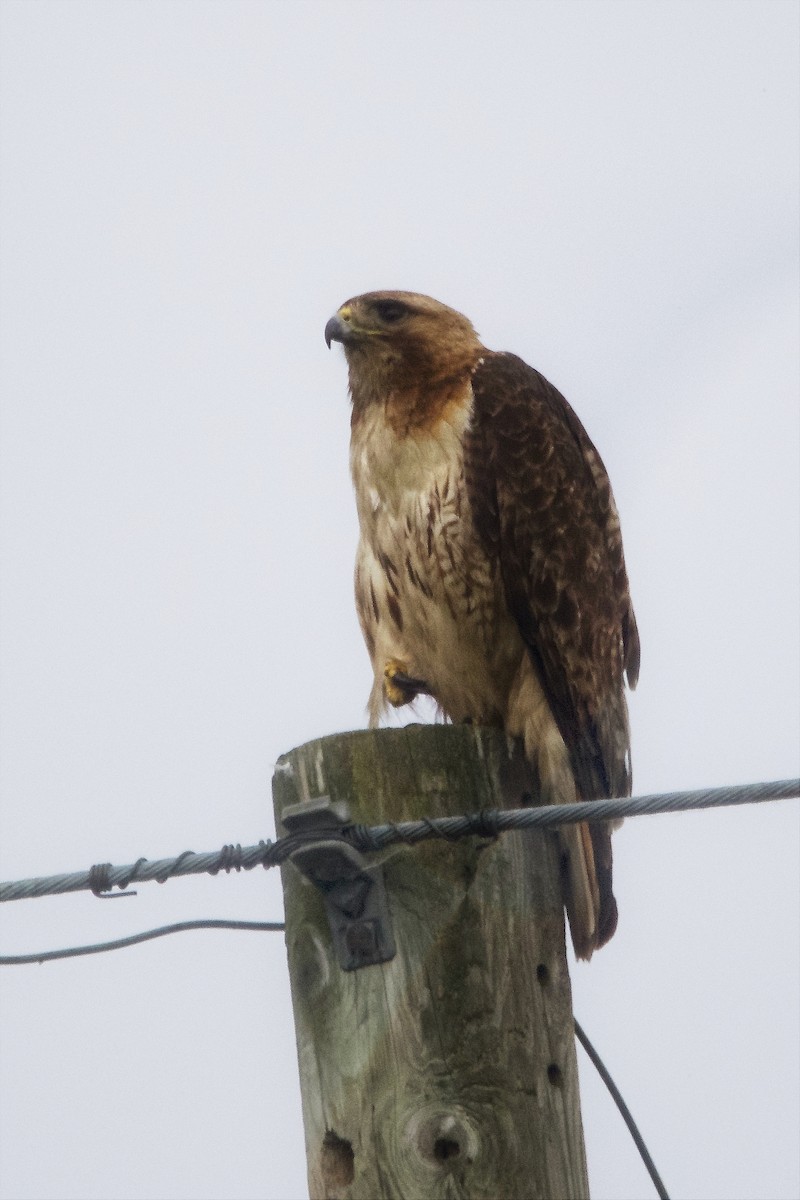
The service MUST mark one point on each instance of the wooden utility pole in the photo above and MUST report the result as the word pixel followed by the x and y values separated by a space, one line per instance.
pixel 450 1070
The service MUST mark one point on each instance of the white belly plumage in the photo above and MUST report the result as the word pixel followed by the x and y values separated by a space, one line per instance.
pixel 427 594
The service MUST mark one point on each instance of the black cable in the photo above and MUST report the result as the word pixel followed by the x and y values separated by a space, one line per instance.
pixel 8 960
pixel 277 926
pixel 624 1111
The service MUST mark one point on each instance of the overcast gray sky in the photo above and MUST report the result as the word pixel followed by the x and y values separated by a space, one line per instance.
pixel 189 190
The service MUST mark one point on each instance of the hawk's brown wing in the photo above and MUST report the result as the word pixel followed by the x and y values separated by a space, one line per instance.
pixel 544 508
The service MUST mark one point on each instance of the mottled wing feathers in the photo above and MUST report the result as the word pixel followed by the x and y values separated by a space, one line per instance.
pixel 611 529
pixel 543 506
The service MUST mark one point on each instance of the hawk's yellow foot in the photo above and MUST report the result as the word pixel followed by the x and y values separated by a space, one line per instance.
pixel 399 686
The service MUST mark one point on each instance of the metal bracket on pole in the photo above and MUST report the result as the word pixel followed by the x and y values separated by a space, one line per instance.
pixel 354 893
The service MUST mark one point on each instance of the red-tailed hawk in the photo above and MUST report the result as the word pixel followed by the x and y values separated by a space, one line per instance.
pixel 490 571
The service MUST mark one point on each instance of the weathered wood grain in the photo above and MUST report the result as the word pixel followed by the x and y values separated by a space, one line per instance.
pixel 449 1071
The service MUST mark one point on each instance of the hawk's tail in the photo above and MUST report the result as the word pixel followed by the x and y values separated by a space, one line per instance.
pixel 587 867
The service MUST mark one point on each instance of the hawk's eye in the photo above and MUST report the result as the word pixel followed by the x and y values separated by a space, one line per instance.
pixel 390 310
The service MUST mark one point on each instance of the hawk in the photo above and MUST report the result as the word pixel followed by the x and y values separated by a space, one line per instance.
pixel 490 572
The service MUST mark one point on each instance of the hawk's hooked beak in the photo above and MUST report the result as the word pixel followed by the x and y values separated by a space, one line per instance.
pixel 336 330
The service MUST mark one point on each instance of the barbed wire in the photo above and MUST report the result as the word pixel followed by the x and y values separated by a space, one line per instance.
pixel 102 877
pixel 490 822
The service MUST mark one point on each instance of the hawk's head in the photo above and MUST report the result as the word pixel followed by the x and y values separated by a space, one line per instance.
pixel 401 340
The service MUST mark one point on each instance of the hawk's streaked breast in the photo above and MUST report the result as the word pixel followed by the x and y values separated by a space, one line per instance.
pixel 426 591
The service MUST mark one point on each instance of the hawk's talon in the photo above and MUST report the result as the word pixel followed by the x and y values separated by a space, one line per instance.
pixel 399 687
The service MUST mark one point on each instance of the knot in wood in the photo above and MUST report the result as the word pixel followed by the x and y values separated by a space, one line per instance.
pixel 444 1137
